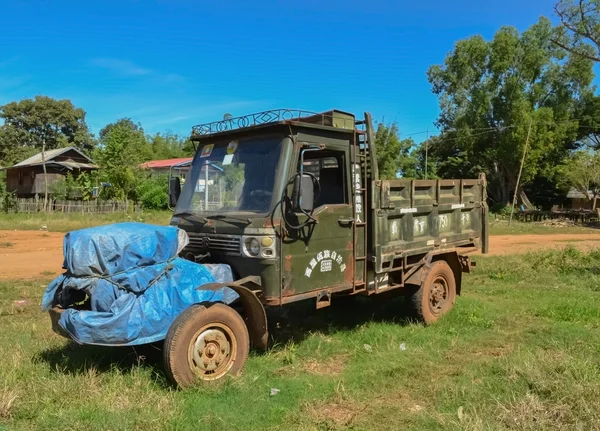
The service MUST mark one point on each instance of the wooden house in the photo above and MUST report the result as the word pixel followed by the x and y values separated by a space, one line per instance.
pixel 26 178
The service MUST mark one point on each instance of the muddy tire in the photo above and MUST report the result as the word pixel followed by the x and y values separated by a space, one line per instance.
pixel 436 296
pixel 205 344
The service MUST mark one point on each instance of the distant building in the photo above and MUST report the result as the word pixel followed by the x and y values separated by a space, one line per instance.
pixel 579 200
pixel 26 178
pixel 178 166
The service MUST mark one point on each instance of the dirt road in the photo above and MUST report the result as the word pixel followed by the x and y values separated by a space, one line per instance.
pixel 36 254
pixel 30 254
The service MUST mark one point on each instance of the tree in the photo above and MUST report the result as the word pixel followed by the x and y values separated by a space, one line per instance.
pixel 490 92
pixel 393 154
pixel 588 115
pixel 169 146
pixel 31 123
pixel 121 149
pixel 581 171
pixel 418 159
pixel 580 21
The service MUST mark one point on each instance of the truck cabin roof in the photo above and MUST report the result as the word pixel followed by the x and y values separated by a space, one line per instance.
pixel 329 120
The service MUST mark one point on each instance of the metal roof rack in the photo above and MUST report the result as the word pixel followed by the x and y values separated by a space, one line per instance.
pixel 333 118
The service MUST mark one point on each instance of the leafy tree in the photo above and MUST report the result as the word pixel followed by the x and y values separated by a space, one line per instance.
pixel 490 93
pixel 580 21
pixel 169 146
pixel 122 148
pixel 581 171
pixel 393 154
pixel 30 123
pixel 588 115
pixel 420 159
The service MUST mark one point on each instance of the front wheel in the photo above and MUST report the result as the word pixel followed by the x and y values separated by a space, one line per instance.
pixel 436 295
pixel 205 344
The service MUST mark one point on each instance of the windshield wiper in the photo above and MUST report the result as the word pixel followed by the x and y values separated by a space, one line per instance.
pixel 184 212
pixel 224 216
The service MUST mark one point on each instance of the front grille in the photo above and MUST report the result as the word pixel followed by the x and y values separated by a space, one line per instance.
pixel 218 243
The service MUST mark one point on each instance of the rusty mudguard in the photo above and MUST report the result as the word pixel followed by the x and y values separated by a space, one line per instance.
pixel 256 317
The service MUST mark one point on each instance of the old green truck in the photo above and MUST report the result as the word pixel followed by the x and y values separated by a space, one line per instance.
pixel 293 202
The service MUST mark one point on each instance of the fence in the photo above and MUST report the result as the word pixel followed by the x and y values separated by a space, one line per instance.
pixel 73 207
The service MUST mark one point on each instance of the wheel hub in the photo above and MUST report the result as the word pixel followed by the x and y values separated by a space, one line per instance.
pixel 211 350
pixel 438 295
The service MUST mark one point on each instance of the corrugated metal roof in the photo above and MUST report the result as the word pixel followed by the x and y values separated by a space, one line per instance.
pixel 576 194
pixel 167 163
pixel 50 154
pixel 77 165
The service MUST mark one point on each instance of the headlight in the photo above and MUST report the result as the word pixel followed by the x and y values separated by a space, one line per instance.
pixel 253 246
pixel 261 246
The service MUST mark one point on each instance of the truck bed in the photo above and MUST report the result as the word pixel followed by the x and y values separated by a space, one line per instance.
pixel 413 217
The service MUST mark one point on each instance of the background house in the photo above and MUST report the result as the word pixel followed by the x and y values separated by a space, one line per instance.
pixel 578 200
pixel 26 178
pixel 180 166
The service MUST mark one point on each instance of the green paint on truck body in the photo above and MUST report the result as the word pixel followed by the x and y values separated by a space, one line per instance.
pixel 368 236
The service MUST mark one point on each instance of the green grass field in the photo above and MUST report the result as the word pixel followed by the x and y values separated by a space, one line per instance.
pixel 58 222
pixel 501 227
pixel 63 223
pixel 521 350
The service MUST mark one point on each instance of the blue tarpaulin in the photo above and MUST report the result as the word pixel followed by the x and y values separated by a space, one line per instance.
pixel 132 282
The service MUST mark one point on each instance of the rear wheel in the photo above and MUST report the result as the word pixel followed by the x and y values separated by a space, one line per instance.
pixel 436 295
pixel 205 344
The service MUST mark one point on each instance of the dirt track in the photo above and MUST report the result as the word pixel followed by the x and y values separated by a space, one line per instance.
pixel 36 254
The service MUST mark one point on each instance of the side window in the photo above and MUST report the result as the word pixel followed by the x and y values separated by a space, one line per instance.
pixel 329 168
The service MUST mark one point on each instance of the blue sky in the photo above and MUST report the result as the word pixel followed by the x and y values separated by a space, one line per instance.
pixel 171 64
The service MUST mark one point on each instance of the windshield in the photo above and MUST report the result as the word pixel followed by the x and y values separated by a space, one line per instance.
pixel 236 176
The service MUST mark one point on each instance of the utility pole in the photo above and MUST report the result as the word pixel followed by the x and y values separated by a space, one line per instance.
pixel 512 209
pixel 45 174
pixel 206 187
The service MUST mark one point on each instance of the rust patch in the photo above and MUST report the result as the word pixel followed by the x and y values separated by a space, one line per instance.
pixel 271 223
pixel 350 246
pixel 288 263
pixel 349 272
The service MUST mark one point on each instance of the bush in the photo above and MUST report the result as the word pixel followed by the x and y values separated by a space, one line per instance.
pixel 501 209
pixel 153 192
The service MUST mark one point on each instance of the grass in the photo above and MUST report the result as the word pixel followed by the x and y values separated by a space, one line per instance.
pixel 501 227
pixel 57 222
pixel 520 351
pixel 6 244
pixel 68 222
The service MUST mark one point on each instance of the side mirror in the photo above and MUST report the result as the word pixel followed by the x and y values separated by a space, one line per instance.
pixel 174 191
pixel 303 196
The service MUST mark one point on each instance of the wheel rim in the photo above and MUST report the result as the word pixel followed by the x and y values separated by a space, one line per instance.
pixel 212 351
pixel 438 295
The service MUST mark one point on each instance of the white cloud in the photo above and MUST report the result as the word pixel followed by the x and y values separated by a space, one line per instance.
pixel 129 68
pixel 122 67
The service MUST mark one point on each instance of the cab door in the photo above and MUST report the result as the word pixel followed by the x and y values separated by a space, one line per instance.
pixel 320 255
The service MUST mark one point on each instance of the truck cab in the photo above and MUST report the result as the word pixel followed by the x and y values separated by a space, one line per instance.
pixel 237 202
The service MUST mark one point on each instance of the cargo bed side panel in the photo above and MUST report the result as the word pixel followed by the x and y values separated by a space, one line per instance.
pixel 418 216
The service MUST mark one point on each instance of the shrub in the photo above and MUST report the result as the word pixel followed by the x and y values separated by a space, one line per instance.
pixel 153 192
